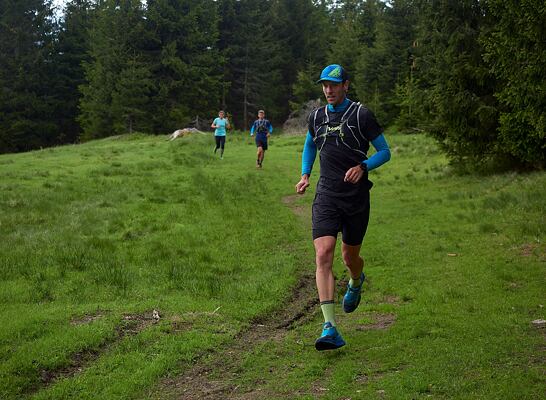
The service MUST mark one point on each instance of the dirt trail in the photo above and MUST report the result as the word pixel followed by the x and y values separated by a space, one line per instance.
pixel 131 324
pixel 212 375
pixel 197 381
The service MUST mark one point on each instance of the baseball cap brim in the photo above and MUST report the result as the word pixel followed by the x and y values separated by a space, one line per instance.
pixel 337 80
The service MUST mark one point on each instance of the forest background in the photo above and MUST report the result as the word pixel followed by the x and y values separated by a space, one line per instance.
pixel 468 72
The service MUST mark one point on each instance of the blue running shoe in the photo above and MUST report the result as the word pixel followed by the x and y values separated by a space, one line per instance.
pixel 351 300
pixel 330 338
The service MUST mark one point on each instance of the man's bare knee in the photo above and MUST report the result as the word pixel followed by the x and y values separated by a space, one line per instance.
pixel 324 255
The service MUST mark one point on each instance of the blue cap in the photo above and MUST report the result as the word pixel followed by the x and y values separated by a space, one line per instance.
pixel 334 73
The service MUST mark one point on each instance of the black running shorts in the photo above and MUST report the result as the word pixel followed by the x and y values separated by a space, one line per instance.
pixel 348 216
pixel 261 141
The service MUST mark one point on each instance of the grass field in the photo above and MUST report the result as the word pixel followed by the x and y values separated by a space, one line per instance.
pixel 96 237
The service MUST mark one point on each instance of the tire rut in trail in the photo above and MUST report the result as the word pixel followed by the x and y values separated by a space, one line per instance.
pixel 131 324
pixel 212 376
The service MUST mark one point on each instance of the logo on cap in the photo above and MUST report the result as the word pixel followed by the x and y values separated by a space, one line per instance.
pixel 335 73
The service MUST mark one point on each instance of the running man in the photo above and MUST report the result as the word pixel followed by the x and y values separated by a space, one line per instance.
pixel 220 124
pixel 263 129
pixel 341 132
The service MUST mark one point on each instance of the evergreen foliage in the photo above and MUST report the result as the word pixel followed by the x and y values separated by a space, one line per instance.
pixel 117 39
pixel 470 73
pixel 346 44
pixel 254 60
pixel 458 87
pixel 301 29
pixel 71 52
pixel 386 64
pixel 27 75
pixel 306 87
pixel 515 48
pixel 131 96
pixel 186 64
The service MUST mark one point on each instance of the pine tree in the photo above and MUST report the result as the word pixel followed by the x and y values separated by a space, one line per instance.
pixel 71 52
pixel 187 64
pixel 409 101
pixel 117 38
pixel 131 96
pixel 227 28
pixel 456 83
pixel 515 48
pixel 253 66
pixel 306 88
pixel 27 32
pixel 302 30
pixel 386 63
pixel 345 42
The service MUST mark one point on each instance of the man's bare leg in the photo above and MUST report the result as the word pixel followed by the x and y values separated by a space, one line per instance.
pixel 330 338
pixel 324 252
pixel 259 157
pixel 353 262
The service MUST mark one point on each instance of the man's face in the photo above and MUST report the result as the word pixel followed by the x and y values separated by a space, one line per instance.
pixel 261 115
pixel 221 114
pixel 335 92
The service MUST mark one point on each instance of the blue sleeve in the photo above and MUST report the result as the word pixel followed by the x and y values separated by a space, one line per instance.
pixel 252 128
pixel 382 156
pixel 309 155
pixel 270 127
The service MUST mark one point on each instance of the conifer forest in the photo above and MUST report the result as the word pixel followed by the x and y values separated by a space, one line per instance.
pixel 470 73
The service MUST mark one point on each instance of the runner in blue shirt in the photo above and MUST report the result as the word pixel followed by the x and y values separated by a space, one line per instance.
pixel 220 124
pixel 341 133
pixel 263 129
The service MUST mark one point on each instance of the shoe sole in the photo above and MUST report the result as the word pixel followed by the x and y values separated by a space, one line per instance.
pixel 350 311
pixel 321 346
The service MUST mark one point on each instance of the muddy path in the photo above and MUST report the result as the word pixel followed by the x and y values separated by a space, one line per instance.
pixel 213 375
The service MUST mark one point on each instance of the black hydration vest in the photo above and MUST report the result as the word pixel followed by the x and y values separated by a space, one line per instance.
pixel 261 126
pixel 343 140
pixel 346 128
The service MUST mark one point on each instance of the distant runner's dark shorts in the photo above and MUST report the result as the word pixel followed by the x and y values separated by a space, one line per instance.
pixel 261 141
pixel 332 215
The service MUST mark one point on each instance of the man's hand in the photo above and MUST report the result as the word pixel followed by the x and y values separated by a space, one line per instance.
pixel 353 175
pixel 302 184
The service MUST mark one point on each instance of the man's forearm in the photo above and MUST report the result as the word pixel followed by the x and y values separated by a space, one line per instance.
pixel 308 156
pixel 383 153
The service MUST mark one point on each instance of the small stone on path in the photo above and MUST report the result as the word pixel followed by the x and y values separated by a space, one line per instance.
pixel 539 323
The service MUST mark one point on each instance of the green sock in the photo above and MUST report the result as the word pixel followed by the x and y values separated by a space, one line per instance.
pixel 328 311
pixel 355 282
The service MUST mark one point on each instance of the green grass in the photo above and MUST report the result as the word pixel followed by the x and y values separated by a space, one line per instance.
pixel 464 258
pixel 94 232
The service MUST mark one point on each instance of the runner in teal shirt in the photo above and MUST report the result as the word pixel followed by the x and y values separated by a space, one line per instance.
pixel 220 124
